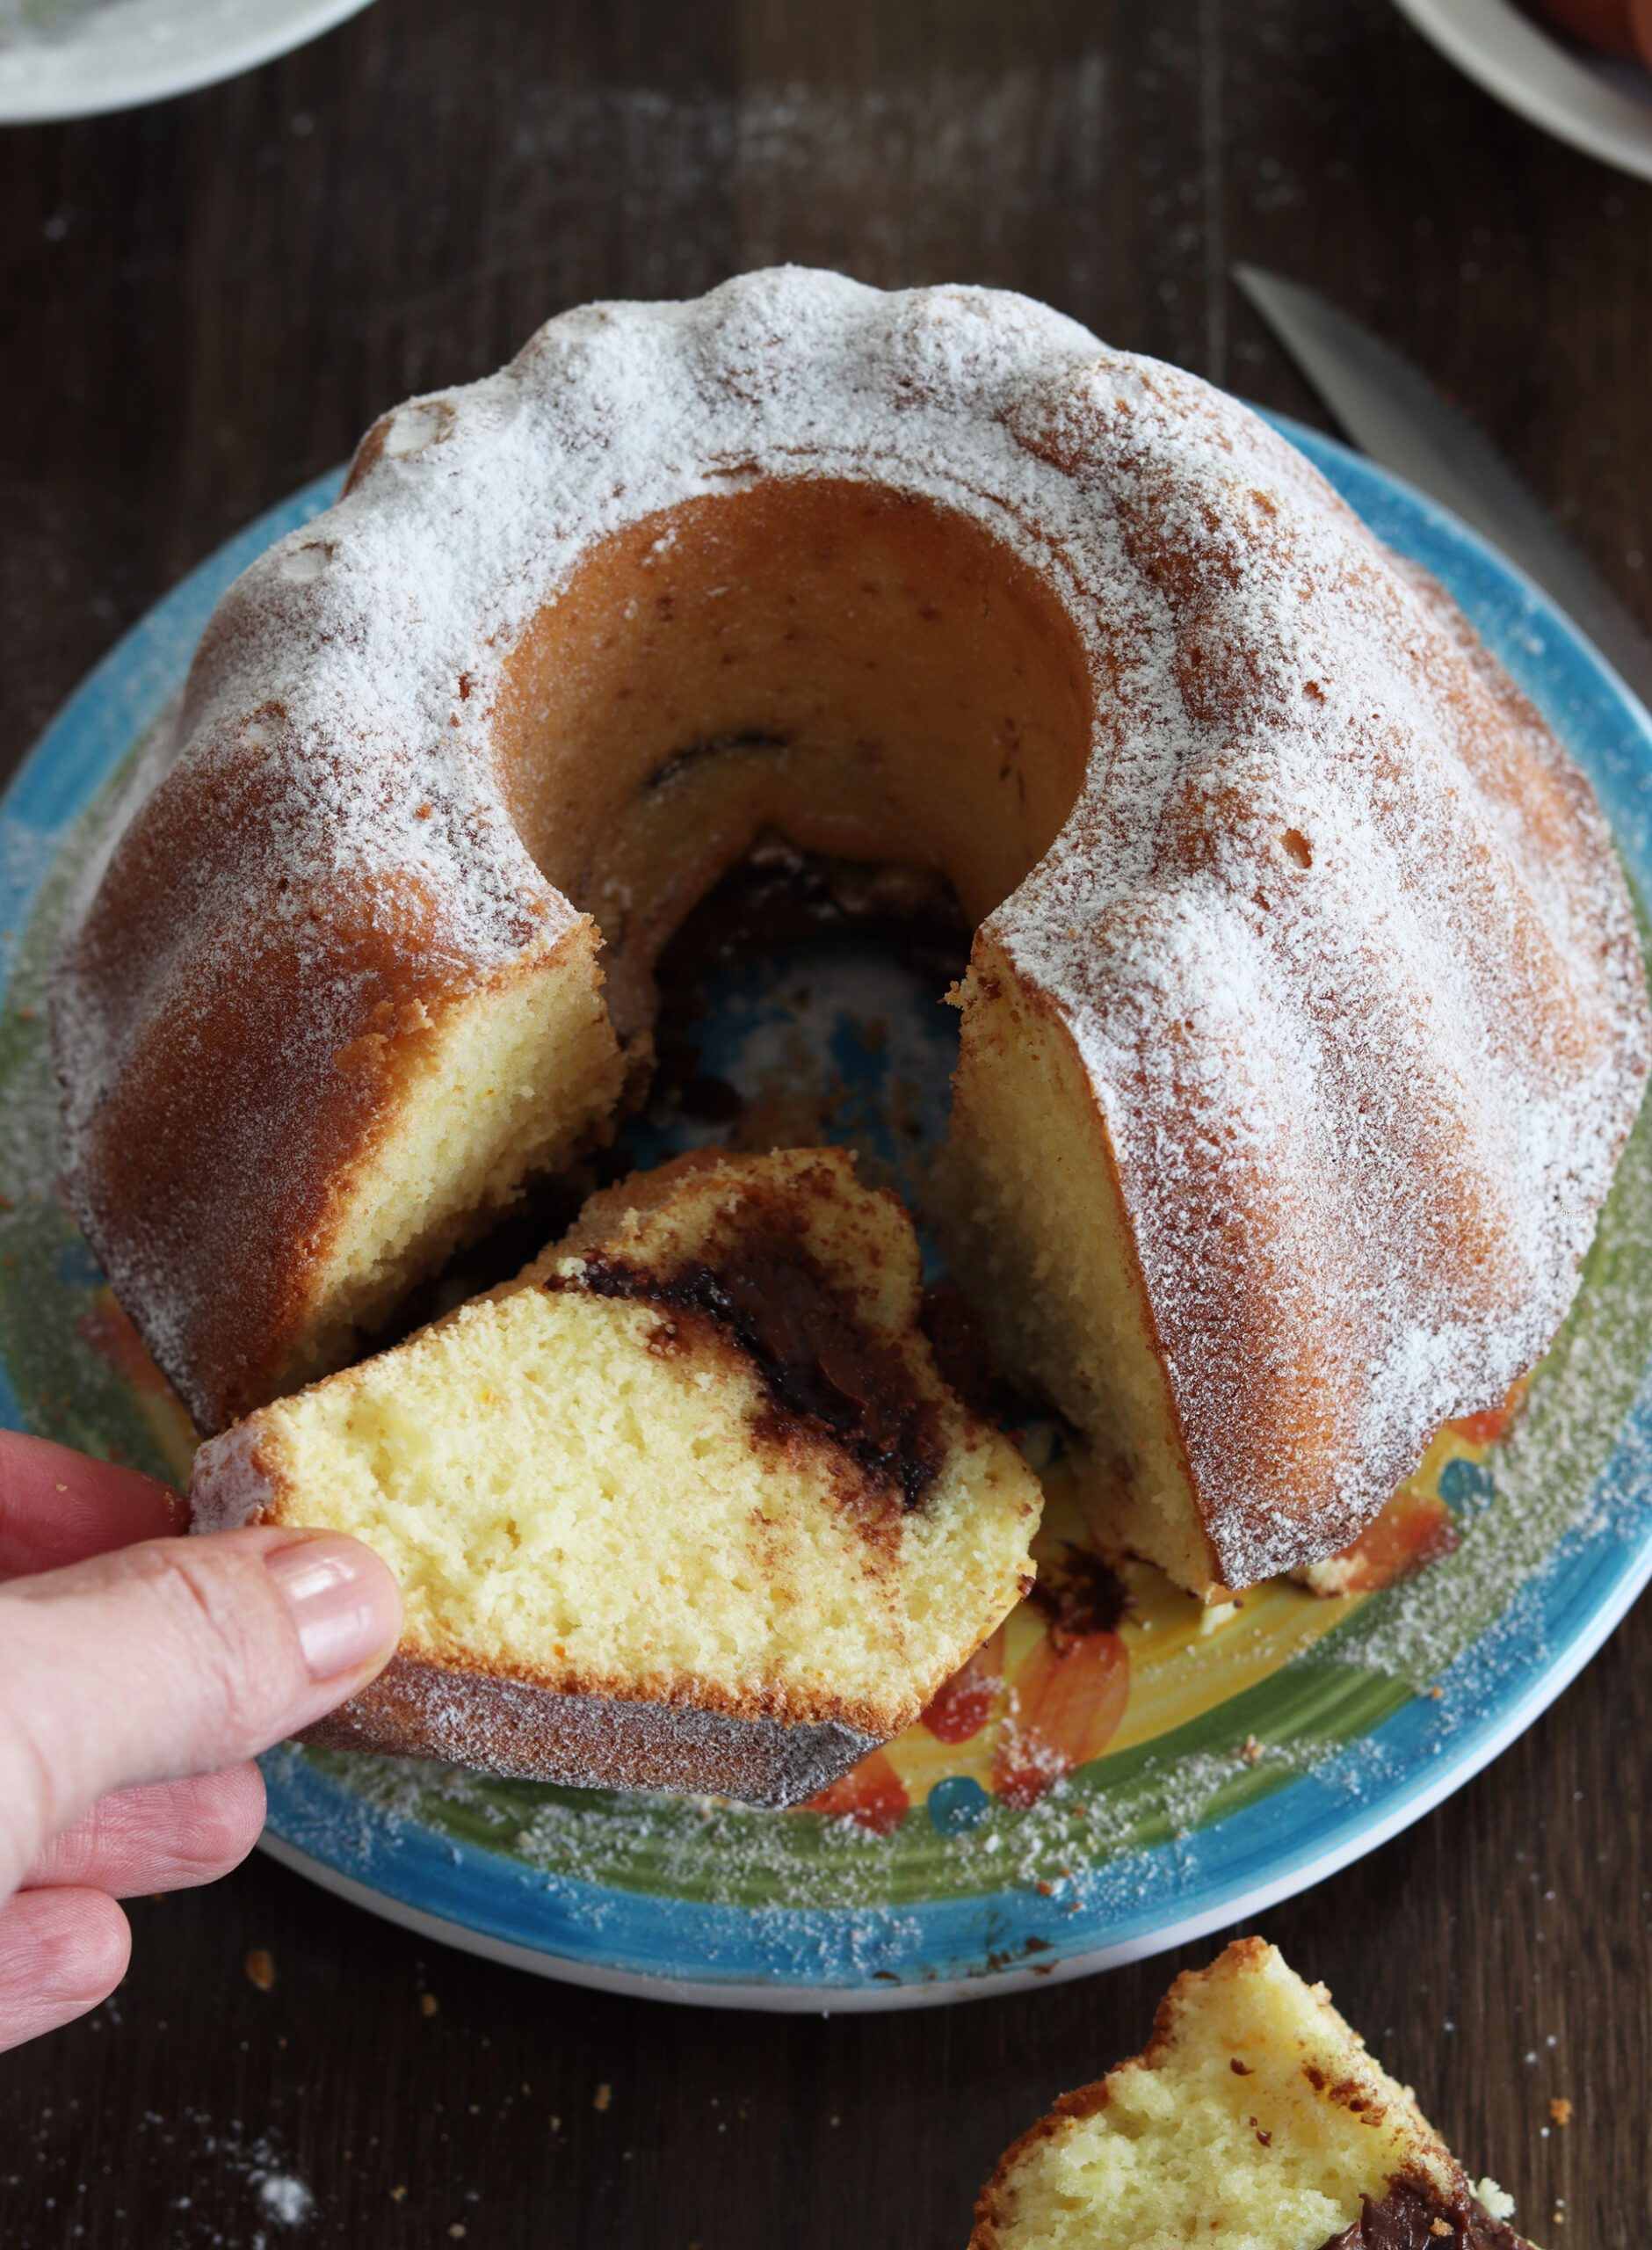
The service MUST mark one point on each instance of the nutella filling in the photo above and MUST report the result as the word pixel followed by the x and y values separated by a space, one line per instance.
pixel 821 1365
pixel 958 1338
pixel 1415 2216
pixel 1078 1594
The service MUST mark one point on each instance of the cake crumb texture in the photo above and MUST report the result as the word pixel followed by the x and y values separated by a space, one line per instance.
pixel 595 1495
pixel 1254 2119
pixel 1305 1018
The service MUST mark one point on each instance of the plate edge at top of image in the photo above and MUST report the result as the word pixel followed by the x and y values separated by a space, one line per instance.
pixel 122 55
pixel 1517 63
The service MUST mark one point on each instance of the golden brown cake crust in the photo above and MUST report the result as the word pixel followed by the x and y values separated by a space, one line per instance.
pixel 305 1056
pixel 1330 921
pixel 1425 2195
pixel 587 1741
pixel 430 1703
pixel 765 1305
pixel 995 2206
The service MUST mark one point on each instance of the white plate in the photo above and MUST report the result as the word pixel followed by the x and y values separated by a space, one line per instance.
pixel 77 58
pixel 1598 105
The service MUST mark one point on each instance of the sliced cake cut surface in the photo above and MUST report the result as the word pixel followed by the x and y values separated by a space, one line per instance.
pixel 685 1505
pixel 1306 1016
pixel 1255 2119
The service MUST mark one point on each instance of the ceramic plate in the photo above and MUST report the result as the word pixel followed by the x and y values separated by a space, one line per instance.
pixel 1600 104
pixel 78 58
pixel 1181 1768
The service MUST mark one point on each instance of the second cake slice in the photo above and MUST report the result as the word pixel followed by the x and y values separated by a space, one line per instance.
pixel 687 1505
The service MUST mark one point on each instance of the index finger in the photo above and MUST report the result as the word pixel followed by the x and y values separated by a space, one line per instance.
pixel 58 1507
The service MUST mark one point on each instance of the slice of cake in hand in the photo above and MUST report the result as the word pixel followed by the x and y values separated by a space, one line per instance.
pixel 687 1505
pixel 1255 2119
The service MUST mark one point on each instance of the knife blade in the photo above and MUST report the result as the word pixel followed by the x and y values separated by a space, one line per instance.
pixel 1394 413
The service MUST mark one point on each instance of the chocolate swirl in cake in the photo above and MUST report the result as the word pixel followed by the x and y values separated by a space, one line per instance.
pixel 820 1363
pixel 1414 2214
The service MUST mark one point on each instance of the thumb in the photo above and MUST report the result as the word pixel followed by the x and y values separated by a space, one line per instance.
pixel 172 1657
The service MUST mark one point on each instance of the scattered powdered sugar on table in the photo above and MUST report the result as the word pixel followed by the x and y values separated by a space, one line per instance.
pixel 284 2196
pixel 200 2155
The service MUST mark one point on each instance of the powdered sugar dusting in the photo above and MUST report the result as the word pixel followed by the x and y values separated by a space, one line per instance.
pixel 284 2197
pixel 508 1726
pixel 1366 1103
pixel 1338 932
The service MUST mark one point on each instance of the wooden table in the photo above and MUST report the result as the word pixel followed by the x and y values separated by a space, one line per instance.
pixel 205 302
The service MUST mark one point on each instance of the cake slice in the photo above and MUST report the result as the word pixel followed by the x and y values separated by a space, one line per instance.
pixel 1255 2119
pixel 686 1505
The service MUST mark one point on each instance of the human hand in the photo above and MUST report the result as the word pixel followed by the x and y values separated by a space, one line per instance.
pixel 140 1673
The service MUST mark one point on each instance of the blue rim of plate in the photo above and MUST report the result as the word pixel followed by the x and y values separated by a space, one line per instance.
pixel 922 1953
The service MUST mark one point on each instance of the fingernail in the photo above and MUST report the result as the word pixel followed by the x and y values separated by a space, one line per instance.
pixel 342 1598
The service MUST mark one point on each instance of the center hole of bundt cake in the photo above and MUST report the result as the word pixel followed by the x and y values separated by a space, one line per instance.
pixel 867 673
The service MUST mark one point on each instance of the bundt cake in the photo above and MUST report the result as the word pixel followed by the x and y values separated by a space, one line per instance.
pixel 687 1505
pixel 1254 2118
pixel 1306 1016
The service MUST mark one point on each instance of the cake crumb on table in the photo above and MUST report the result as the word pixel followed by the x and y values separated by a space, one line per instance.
pixel 429 2005
pixel 260 1969
pixel 602 2096
pixel 1560 2110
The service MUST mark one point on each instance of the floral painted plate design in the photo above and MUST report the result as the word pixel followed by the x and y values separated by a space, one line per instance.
pixel 1118 1770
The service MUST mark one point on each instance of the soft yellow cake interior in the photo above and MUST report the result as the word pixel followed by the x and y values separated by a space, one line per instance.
pixel 811 656
pixel 594 1493
pixel 1255 2119
pixel 509 1084
pixel 1034 1227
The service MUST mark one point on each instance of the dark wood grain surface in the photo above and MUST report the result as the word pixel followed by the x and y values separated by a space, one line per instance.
pixel 205 302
